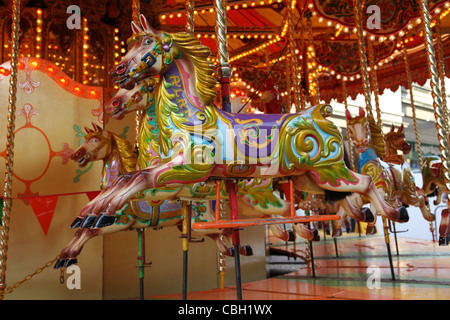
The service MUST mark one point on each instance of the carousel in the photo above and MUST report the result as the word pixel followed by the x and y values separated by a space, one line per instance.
pixel 235 122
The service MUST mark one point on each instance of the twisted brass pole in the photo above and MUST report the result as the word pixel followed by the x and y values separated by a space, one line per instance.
pixel 136 8
pixel 190 5
pixel 436 94
pixel 293 50
pixel 441 68
pixel 413 108
pixel 313 80
pixel 7 201
pixel 363 57
pixel 374 82
pixel 349 138
pixel 222 44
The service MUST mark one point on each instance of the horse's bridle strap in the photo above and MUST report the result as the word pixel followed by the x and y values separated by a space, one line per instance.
pixel 147 60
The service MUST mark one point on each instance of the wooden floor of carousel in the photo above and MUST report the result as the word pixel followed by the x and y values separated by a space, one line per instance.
pixel 421 270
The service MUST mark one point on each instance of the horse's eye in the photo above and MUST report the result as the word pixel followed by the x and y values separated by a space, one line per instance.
pixel 148 41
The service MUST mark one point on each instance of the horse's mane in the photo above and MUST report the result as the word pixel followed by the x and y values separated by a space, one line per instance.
pixel 126 153
pixel 198 53
pixel 377 139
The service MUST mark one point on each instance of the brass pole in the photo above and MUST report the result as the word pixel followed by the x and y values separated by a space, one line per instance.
pixel 436 94
pixel 7 201
pixel 136 8
pixel 363 57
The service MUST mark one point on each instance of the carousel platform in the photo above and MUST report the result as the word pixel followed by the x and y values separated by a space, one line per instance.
pixel 421 272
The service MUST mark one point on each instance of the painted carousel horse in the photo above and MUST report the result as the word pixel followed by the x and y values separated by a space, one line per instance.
pixel 434 184
pixel 118 158
pixel 395 142
pixel 258 201
pixel 395 182
pixel 433 178
pixel 318 204
pixel 199 143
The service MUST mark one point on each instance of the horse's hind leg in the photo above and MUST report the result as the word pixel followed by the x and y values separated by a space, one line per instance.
pixel 366 187
pixel 444 227
pixel 305 232
pixel 422 203
pixel 68 255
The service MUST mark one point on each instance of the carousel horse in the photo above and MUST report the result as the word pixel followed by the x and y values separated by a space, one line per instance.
pixel 318 204
pixel 395 141
pixel 199 143
pixel 118 158
pixel 141 98
pixel 394 182
pixel 433 178
pixel 434 184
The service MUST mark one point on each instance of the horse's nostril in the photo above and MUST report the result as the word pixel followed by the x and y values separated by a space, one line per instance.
pixel 115 102
pixel 120 69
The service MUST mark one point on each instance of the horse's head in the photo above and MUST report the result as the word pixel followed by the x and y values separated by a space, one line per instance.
pixel 149 53
pixel 93 147
pixel 357 127
pixel 396 140
pixel 126 101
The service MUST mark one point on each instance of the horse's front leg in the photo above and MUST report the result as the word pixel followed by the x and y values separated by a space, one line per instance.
pixel 85 219
pixel 423 204
pixel 141 180
pixel 69 254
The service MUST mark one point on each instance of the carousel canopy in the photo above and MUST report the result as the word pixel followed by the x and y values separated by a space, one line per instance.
pixel 324 39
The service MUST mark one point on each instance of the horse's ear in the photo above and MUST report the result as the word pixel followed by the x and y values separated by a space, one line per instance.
pixel 362 113
pixel 97 127
pixel 392 128
pixel 148 27
pixel 136 29
pixel 88 130
pixel 144 24
pixel 401 128
pixel 348 115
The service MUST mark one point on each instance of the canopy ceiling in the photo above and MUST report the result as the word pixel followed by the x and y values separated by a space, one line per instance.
pixel 257 41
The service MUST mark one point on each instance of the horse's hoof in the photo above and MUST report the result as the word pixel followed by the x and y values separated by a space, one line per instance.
pixel 70 262
pixel 104 220
pixel 88 222
pixel 443 241
pixel 230 252
pixel 76 223
pixel 404 217
pixel 291 236
pixel 246 251
pixel 369 215
pixel 59 264
pixel 336 233
pixel 371 230
pixel 316 236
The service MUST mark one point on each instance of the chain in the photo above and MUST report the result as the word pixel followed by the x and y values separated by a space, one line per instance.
pixel 10 135
pixel 31 275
